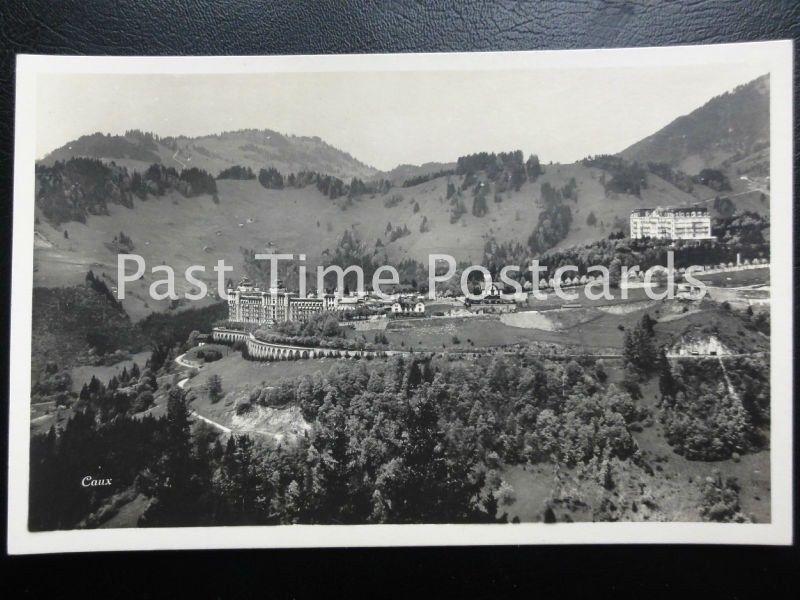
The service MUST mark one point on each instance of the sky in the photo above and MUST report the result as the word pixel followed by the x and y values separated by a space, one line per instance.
pixel 394 117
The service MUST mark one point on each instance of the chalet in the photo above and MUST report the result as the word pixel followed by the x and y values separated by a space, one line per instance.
pixel 406 308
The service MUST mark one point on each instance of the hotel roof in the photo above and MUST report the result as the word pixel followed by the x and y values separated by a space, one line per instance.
pixel 684 212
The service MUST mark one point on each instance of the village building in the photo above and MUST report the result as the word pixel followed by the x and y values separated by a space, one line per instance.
pixel 671 224
pixel 492 302
pixel 347 303
pixel 402 307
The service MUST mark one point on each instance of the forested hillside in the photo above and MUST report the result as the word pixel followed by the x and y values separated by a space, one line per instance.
pixel 503 197
pixel 729 129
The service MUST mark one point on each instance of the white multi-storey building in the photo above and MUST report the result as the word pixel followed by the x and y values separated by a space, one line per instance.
pixel 671 223
pixel 250 304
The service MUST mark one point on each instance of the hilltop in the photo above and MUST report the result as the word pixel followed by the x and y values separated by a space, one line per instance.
pixel 252 148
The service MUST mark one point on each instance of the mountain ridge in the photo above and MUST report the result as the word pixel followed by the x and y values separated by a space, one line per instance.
pixel 417 210
pixel 254 148
pixel 731 130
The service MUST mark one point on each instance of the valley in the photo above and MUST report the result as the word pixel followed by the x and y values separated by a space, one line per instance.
pixel 358 409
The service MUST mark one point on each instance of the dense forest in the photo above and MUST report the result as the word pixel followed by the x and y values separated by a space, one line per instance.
pixel 707 414
pixel 70 323
pixel 703 419
pixel 626 177
pixel 406 440
pixel 79 187
pixel 237 172
pixel 85 324
pixel 509 169
pixel 553 223
pixel 399 440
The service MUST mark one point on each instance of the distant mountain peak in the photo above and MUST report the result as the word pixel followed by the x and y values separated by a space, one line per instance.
pixel 726 129
pixel 254 148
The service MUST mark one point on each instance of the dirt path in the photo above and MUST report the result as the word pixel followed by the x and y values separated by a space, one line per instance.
pixel 210 422
pixel 182 384
pixel 186 365
pixel 177 160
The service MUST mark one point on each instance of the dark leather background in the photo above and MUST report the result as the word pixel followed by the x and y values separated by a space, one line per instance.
pixel 178 27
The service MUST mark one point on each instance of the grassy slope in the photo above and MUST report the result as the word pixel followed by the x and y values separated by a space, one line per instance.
pixel 183 231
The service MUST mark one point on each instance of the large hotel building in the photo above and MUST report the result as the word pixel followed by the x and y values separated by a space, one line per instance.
pixel 250 304
pixel 671 224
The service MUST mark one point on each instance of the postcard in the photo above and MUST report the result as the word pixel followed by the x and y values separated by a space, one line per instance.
pixel 402 300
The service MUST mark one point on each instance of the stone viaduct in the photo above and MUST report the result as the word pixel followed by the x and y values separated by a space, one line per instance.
pixel 269 351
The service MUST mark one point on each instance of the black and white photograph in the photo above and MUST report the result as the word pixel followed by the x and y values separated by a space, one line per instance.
pixel 420 299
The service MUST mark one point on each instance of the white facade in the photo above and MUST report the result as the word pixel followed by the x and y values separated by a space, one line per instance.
pixel 250 304
pixel 344 303
pixel 671 224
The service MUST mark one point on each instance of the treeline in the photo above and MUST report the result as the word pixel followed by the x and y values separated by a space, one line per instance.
pixel 100 286
pixel 703 418
pixel 311 341
pixel 713 178
pixel 626 178
pixel 328 185
pixel 322 325
pixel 553 223
pixel 146 139
pixel 351 250
pixel 134 145
pixel 552 226
pixel 426 177
pixel 237 172
pixel 79 187
pixel 164 331
pixel 508 169
pixel 616 252
pixel 125 395
pixel 453 424
pixel 678 178
pixel 744 230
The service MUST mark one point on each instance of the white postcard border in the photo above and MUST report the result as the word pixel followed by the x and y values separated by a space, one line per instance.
pixel 776 55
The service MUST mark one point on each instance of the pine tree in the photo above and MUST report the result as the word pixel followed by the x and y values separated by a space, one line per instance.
pixel 214 388
pixel 173 481
pixel 666 382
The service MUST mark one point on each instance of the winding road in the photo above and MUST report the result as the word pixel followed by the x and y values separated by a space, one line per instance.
pixel 182 384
